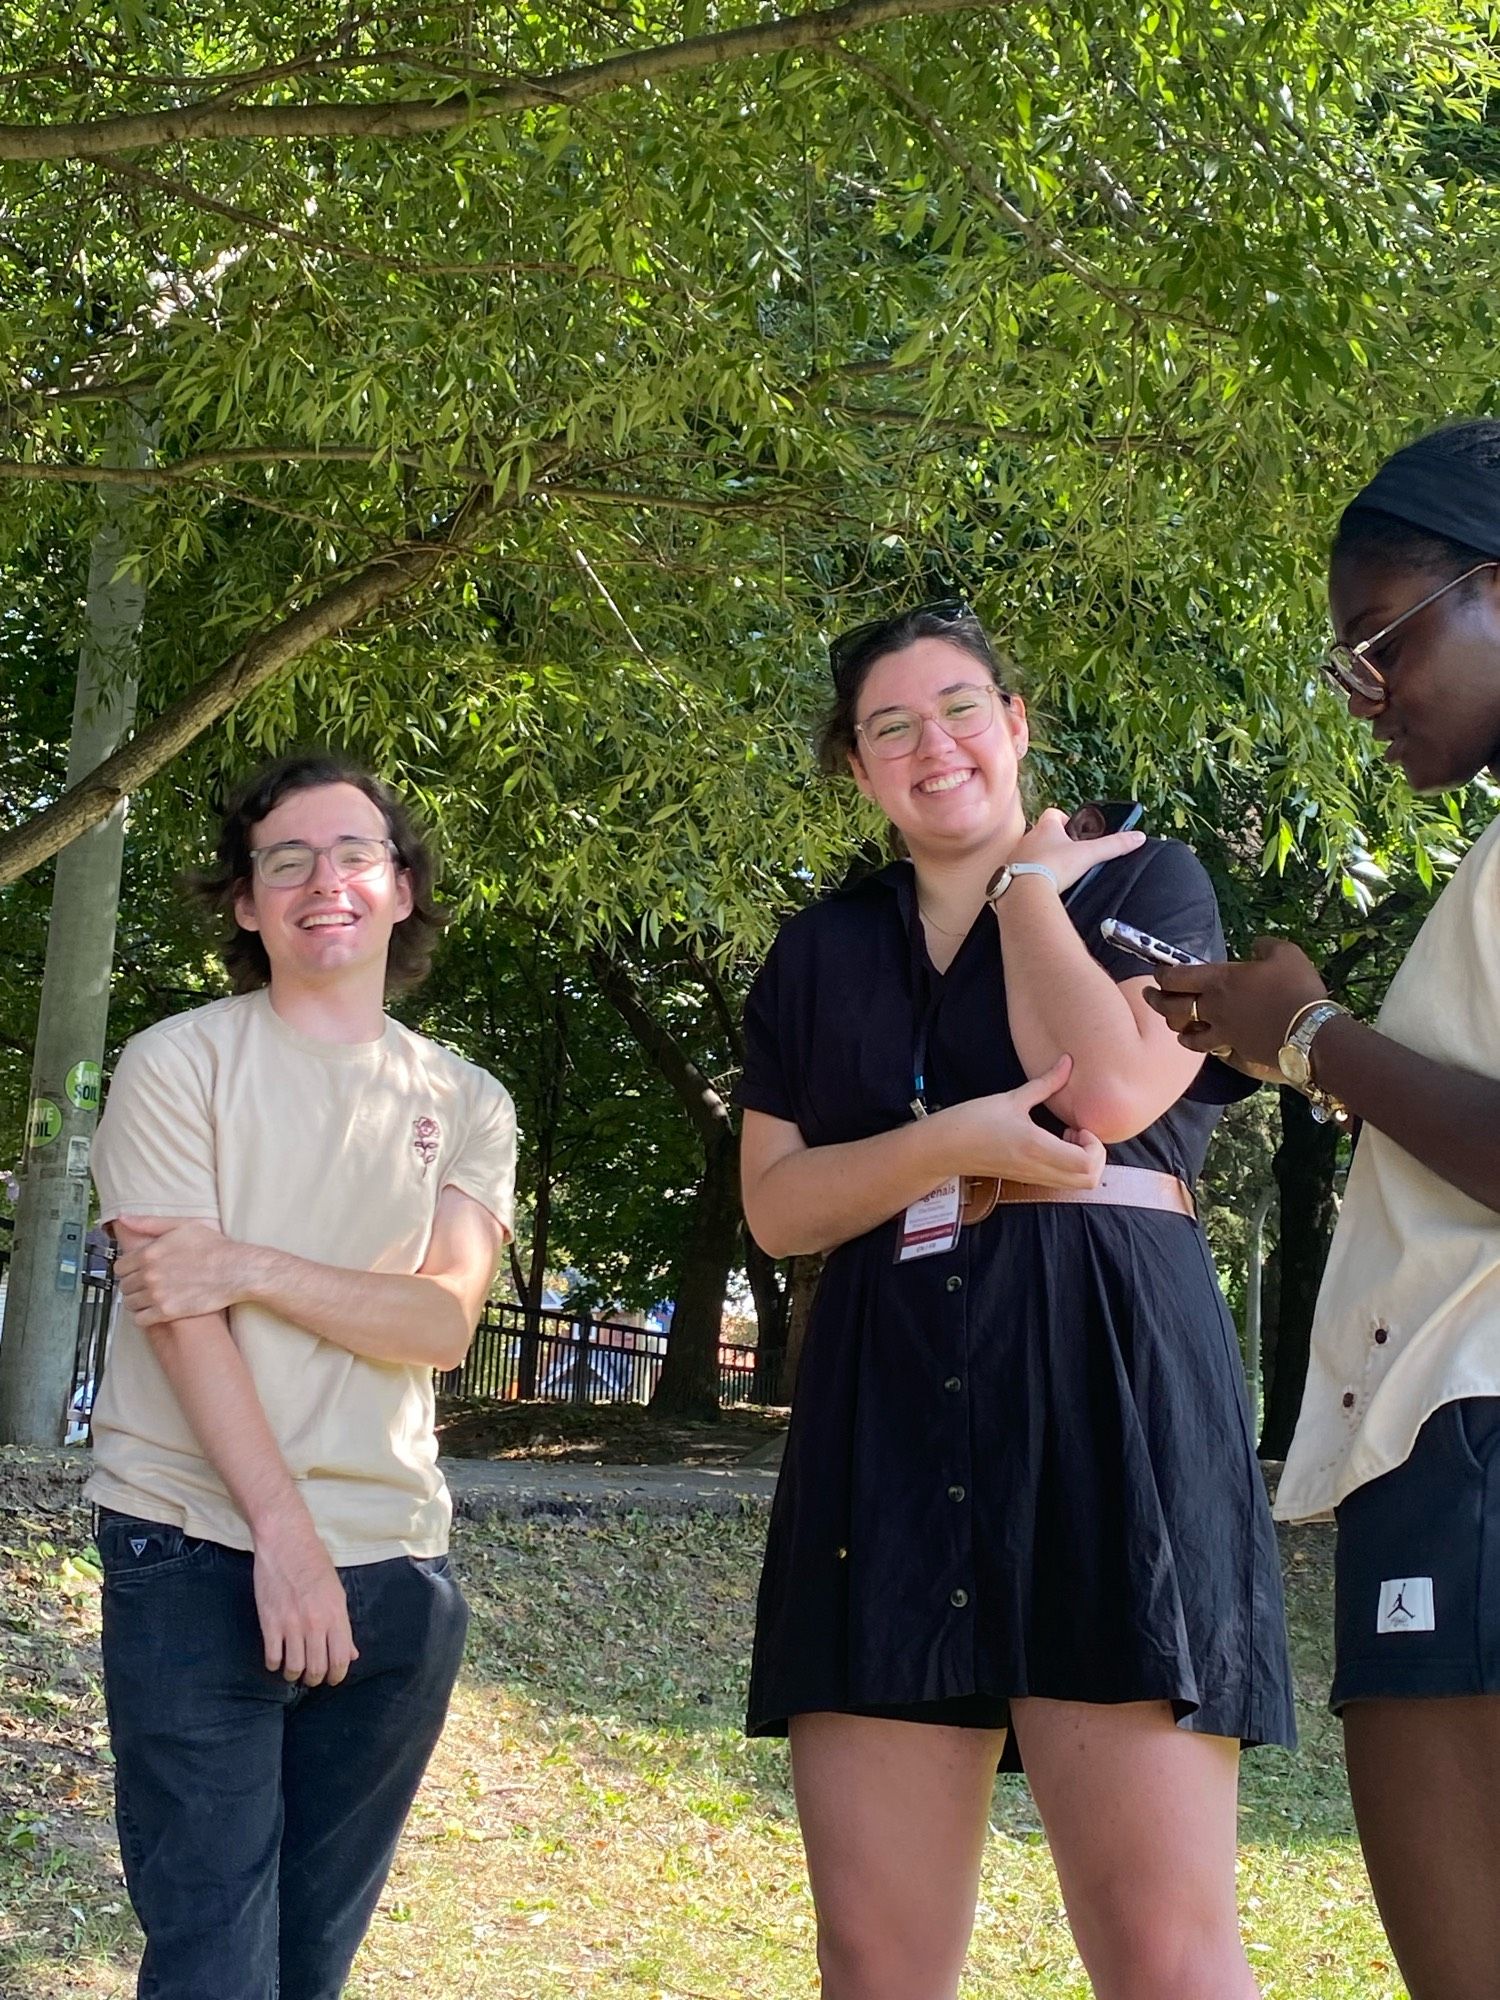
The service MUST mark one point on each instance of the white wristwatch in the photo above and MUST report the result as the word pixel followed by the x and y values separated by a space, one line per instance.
pixel 1004 875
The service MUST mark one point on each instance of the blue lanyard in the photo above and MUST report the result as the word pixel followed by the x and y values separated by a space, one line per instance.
pixel 923 1035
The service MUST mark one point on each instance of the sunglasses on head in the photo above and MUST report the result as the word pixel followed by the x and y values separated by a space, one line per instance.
pixel 861 641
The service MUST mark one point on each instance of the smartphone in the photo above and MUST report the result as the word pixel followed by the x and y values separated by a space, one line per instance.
pixel 1093 821
pixel 1154 949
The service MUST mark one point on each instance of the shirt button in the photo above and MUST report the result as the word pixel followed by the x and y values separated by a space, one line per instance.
pixel 1382 1335
pixel 1348 1399
pixel 956 1493
pixel 842 1554
pixel 953 1385
pixel 955 1284
pixel 959 1599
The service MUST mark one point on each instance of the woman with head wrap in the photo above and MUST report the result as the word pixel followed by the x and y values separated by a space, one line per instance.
pixel 1400 1424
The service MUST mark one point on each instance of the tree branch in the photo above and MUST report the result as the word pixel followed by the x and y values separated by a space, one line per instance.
pixel 776 501
pixel 1041 239
pixel 413 267
pixel 409 118
pixel 704 1106
pixel 183 471
pixel 390 575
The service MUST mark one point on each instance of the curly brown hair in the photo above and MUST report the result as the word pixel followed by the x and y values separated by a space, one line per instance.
pixel 215 888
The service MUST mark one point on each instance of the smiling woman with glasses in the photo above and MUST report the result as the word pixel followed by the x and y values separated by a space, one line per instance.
pixel 1019 1514
pixel 1399 1433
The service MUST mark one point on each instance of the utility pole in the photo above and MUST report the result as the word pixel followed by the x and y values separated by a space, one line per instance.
pixel 38 1337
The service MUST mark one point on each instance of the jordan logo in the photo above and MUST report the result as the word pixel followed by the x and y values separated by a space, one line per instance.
pixel 1406 1605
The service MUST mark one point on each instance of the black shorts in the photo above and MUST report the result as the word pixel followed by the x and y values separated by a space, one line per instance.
pixel 1417 1570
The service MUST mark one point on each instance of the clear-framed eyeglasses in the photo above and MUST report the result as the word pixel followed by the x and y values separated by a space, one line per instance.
pixel 1351 669
pixel 966 710
pixel 288 864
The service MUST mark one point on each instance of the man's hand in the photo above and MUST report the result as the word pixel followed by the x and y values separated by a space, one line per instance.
pixel 1247 1008
pixel 299 1598
pixel 178 1270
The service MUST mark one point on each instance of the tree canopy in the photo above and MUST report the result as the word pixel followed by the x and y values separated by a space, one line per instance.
pixel 529 391
pixel 531 388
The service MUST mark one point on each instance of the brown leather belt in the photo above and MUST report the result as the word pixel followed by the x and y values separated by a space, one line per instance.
pixel 1119 1187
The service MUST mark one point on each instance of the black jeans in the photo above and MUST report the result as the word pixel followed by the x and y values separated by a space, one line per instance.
pixel 258 1820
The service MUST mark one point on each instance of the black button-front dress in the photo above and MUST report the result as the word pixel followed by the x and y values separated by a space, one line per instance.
pixel 1025 1466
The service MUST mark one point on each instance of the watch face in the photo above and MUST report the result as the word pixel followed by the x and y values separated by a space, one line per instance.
pixel 998 883
pixel 1294 1065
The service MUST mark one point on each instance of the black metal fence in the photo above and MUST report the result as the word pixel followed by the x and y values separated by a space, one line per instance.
pixel 535 1354
pixel 95 1309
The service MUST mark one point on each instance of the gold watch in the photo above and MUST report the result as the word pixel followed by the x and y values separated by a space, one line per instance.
pixel 1294 1057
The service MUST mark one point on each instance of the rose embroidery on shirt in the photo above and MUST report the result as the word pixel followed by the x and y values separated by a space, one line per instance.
pixel 424 1140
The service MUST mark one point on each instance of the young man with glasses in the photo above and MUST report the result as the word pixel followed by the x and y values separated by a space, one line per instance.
pixel 1399 1432
pixel 310 1202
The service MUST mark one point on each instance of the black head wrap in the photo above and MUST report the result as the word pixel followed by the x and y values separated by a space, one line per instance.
pixel 1431 487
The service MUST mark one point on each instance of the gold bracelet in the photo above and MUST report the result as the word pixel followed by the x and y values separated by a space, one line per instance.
pixel 1326 1108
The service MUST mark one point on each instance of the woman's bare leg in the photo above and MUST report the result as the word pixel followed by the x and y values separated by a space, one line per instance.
pixel 893 1818
pixel 1141 1818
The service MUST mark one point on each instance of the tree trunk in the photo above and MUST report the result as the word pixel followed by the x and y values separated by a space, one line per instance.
pixel 771 1297
pixel 41 1319
pixel 689 1382
pixel 802 1289
pixel 541 1228
pixel 1304 1167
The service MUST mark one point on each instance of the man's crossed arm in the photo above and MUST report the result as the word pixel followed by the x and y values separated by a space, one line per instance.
pixel 176 1271
pixel 179 1279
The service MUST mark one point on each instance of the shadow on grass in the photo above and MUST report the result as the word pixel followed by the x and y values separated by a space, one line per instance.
pixel 644 1623
pixel 614 1648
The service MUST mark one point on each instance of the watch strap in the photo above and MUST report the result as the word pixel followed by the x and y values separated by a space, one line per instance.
pixel 1306 1022
pixel 1006 873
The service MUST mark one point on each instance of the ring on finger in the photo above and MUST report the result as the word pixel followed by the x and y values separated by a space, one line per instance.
pixel 1194 1019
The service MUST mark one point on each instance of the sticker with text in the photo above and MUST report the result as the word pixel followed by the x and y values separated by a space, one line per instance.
pixel 930 1226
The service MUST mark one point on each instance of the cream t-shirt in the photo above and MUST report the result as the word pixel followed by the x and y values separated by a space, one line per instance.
pixel 334 1152
pixel 1408 1317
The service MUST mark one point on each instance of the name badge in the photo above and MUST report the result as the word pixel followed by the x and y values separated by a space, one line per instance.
pixel 930 1226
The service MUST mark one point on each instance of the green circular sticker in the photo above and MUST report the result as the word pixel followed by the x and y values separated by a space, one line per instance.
pixel 43 1123
pixel 83 1086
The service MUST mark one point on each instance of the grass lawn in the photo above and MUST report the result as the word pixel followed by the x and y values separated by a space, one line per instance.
pixel 602 1433
pixel 594 1824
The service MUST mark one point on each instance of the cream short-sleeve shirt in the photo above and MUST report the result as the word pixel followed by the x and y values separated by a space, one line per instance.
pixel 334 1152
pixel 1408 1317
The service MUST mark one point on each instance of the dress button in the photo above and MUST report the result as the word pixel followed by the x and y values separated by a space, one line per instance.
pixel 953 1385
pixel 956 1493
pixel 959 1599
pixel 1348 1399
pixel 842 1554
pixel 955 1283
pixel 1382 1335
